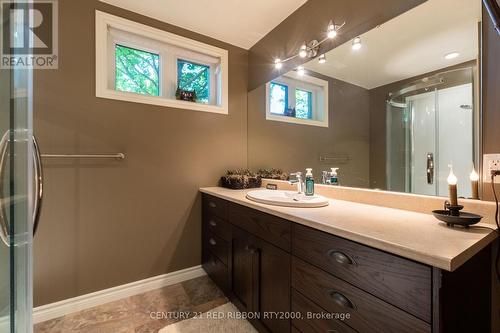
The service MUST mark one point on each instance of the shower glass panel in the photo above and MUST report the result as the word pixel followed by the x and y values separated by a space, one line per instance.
pixel 424 139
pixel 423 120
pixel 16 188
pixel 398 146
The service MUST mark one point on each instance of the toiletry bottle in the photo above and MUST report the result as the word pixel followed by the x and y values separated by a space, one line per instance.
pixel 325 178
pixel 334 179
pixel 309 182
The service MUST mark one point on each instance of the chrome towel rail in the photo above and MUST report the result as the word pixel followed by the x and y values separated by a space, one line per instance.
pixel 119 156
pixel 335 158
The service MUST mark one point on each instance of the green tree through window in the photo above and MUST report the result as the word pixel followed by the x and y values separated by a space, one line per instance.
pixel 194 77
pixel 137 71
pixel 278 98
pixel 303 104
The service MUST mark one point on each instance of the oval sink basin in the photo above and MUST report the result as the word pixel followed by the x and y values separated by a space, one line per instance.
pixel 287 198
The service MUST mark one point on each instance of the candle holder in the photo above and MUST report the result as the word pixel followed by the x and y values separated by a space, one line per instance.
pixel 453 209
pixel 452 215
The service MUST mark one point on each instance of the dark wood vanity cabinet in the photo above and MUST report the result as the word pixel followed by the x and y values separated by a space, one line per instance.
pixel 216 242
pixel 277 268
pixel 244 252
pixel 260 279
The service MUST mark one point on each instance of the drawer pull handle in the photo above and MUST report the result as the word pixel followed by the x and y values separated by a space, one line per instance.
pixel 341 258
pixel 213 223
pixel 341 299
pixel 212 204
pixel 212 241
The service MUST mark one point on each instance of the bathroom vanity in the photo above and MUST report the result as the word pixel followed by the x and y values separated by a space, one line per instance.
pixel 390 270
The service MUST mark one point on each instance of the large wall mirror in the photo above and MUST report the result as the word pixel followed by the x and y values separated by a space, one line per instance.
pixel 391 109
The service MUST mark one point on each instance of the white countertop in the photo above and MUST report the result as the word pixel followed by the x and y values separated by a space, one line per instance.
pixel 416 236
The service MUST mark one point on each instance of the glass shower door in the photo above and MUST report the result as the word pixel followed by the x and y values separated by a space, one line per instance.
pixel 423 143
pixel 18 205
pixel 423 120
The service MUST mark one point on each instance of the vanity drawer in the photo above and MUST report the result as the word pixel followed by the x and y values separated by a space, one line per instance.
pixel 401 282
pixel 368 313
pixel 302 305
pixel 215 206
pixel 218 246
pixel 270 228
pixel 216 270
pixel 217 226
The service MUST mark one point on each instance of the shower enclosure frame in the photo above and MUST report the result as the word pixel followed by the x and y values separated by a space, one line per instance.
pixel 422 85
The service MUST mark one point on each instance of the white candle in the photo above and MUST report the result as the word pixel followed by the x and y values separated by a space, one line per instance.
pixel 452 185
pixel 474 180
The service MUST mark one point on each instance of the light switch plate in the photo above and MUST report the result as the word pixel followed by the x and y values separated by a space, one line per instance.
pixel 490 162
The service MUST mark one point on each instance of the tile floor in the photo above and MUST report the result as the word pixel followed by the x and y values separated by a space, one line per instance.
pixel 132 315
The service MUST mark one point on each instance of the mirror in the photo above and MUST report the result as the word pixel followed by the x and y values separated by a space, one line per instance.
pixel 391 109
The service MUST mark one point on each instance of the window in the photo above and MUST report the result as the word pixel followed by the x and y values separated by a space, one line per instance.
pixel 137 71
pixel 279 98
pixel 298 99
pixel 303 104
pixel 194 77
pixel 137 63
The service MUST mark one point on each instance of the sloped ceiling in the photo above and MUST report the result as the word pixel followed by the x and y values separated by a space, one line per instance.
pixel 237 22
pixel 408 45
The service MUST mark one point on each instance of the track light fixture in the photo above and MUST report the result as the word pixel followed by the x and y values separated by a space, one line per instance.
pixel 310 50
pixel 332 30
pixel 356 43
pixel 277 63
pixel 303 51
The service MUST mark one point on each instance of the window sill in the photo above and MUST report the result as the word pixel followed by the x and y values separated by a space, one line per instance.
pixel 160 101
pixel 297 121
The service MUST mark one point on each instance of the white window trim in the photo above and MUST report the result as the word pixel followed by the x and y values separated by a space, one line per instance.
pixel 322 84
pixel 105 21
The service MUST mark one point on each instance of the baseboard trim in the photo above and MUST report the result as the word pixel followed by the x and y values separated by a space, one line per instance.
pixel 67 306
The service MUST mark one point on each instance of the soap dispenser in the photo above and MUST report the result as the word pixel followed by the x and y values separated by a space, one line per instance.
pixel 334 179
pixel 309 182
pixel 325 179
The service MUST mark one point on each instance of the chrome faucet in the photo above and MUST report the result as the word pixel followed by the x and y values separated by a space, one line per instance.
pixel 298 180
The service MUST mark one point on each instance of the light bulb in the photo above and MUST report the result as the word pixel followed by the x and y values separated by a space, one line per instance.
pixel 331 31
pixel 278 64
pixel 303 51
pixel 473 175
pixel 301 71
pixel 452 179
pixel 451 55
pixel 322 59
pixel 356 43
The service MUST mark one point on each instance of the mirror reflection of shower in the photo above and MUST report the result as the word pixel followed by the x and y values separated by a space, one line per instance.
pixel 430 125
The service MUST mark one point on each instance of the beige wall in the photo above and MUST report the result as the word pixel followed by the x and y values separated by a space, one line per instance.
pixel 106 223
pixel 294 147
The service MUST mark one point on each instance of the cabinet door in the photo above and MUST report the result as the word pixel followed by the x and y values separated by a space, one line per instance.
pixel 261 280
pixel 274 287
pixel 244 274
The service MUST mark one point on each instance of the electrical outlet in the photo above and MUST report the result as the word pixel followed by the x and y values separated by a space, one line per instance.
pixel 490 162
